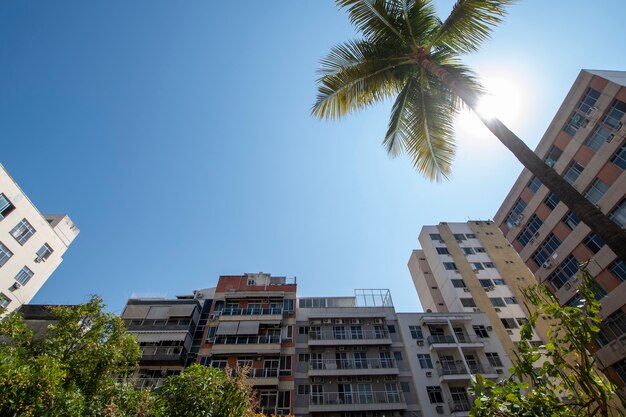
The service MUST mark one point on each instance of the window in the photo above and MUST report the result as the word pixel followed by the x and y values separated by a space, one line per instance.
pixel 515 215
pixel 570 220
pixel 23 231
pixel 434 394
pixel 443 251
pixel 529 230
pixel 303 329
pixel 477 266
pixel 620 369
pixel 304 389
pixel 509 323
pixel 600 135
pixel 251 282
pixel 24 275
pixel 521 321
pixel 510 300
pixel 44 252
pixel 405 386
pixel 618 269
pixel 397 355
pixel 498 281
pixel 489 265
pixel 285 365
pixel 619 158
pixel 497 302
pixel 6 207
pixel 416 332
pixel 4 301
pixel 479 250
pixel 5 254
pixel 425 360
pixel 618 214
pixel 304 357
pixel 612 327
pixel 578 118
pixel 552 156
pixel 435 236
pixel 486 283
pixel 458 283
pixel 564 272
pixel 391 328
pixel 573 171
pixel 468 251
pixel 468 302
pixel 470 235
pixel 450 266
pixel 534 184
pixel 494 359
pixel 551 201
pixel 614 114
pixel 459 236
pixel 288 306
pixel 481 331
pixel 548 247
pixel 593 242
pixel 596 190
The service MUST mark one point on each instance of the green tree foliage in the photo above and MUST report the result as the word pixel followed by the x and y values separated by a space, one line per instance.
pixel 568 382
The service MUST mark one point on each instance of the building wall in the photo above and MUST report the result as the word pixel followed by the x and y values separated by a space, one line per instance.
pixel 598 161
pixel 57 231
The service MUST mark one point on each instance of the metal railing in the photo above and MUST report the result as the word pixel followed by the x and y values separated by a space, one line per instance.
pixel 370 397
pixel 244 340
pixel 179 323
pixel 349 335
pixel 262 372
pixel 149 382
pixel 451 340
pixel 333 364
pixel 459 369
pixel 461 404
pixel 162 350
pixel 249 311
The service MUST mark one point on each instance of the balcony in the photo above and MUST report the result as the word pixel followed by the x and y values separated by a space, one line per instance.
pixel 262 376
pixel 456 372
pixel 246 344
pixel 365 337
pixel 159 324
pixel 449 341
pixel 241 314
pixel 152 383
pixel 341 367
pixel 163 354
pixel 460 407
pixel 363 401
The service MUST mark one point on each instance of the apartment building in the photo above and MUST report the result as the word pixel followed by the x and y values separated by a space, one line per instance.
pixel 251 325
pixel 471 267
pixel 585 144
pixel 31 244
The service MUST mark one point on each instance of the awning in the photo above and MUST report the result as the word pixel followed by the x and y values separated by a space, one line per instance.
pixel 185 310
pixel 135 312
pixel 159 337
pixel 158 312
pixel 227 327
pixel 248 327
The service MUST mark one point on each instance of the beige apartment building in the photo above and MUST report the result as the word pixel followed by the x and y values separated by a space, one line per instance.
pixel 471 267
pixel 585 144
pixel 31 244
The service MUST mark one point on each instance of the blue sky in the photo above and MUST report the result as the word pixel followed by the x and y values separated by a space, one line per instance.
pixel 177 136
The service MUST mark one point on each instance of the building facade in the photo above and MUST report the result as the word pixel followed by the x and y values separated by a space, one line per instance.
pixel 585 144
pixel 31 244
pixel 471 267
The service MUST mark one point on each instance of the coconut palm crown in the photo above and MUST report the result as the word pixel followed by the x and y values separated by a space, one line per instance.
pixel 408 54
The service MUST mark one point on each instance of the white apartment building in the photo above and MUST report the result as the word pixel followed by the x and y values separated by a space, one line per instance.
pixel 31 244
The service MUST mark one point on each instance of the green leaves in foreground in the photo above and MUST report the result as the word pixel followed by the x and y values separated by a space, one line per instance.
pixel 567 383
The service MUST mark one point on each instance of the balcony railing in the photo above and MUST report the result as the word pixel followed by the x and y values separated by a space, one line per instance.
pixel 371 397
pixel 249 311
pixel 244 340
pixel 454 369
pixel 149 382
pixel 333 364
pixel 362 335
pixel 158 323
pixel 262 373
pixel 461 404
pixel 162 350
pixel 451 340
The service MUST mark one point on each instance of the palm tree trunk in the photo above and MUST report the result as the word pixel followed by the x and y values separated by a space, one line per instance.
pixel 599 223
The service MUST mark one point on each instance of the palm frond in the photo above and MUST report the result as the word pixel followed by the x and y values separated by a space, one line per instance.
pixel 400 116
pixel 469 24
pixel 465 78
pixel 357 53
pixel 375 19
pixel 420 18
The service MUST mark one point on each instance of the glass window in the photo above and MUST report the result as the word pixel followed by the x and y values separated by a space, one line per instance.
pixel 416 332
pixel 618 269
pixel 24 275
pixel 6 207
pixel 434 394
pixel 551 201
pixel 552 156
pixel 425 360
pixel 494 359
pixel 479 250
pixel 304 389
pixel 529 230
pixel 443 251
pixel 5 254
pixel 450 266
pixel 477 266
pixel 596 190
pixel 619 158
pixel 498 281
pixel 570 220
pixel 573 171
pixel 459 236
pixel 468 302
pixel 486 283
pixel 397 355
pixel 44 252
pixel 489 265
pixel 614 115
pixel 510 300
pixel 458 283
pixel 468 251
pixel 548 247
pixel 481 331
pixel 593 242
pixel 23 231
pixel 600 135
pixel 4 301
pixel 612 327
pixel 497 302
pixel 391 328
pixel 509 323
pixel 515 215
pixel 618 214
pixel 405 386
pixel 534 184
pixel 435 236
pixel 564 272
pixel 470 235
pixel 584 108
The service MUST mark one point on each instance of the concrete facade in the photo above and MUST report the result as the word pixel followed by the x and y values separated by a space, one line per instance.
pixel 585 144
pixel 31 244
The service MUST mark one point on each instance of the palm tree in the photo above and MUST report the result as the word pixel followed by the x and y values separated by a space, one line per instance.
pixel 406 52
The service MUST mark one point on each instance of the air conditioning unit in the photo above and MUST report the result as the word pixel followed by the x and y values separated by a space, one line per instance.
pixel 476 309
pixel 466 289
pixel 517 222
pixel 378 321
pixel 547 264
pixel 338 321
pixel 429 373
pixel 17 285
pixel 355 321
pixel 475 270
pixel 499 371
pixel 313 322
pixel 327 321
pixel 567 285
pixel 509 331
pixel 489 328
pixel 439 409
pixel 555 256
pixel 420 343
pixel 39 259
pixel 498 309
pixel 592 111
pixel 491 288
pixel 618 127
